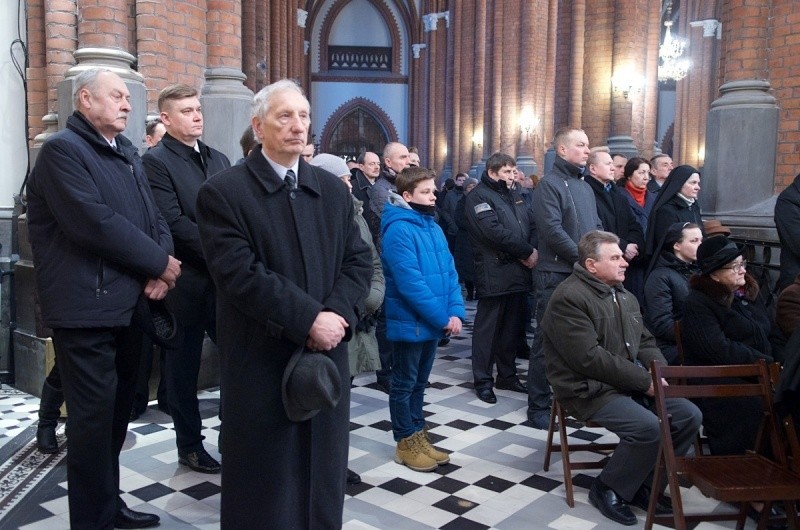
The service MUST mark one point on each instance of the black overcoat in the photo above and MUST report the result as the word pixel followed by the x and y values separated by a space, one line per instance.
pixel 175 179
pixel 278 258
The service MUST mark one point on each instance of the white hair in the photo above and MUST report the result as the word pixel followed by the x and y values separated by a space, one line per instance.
pixel 262 100
pixel 88 80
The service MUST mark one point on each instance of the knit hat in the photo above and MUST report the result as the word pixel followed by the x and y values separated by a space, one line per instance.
pixel 331 163
pixel 715 252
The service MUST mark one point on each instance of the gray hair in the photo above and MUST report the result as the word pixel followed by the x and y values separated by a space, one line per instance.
pixel 88 80
pixel 262 100
pixel 589 245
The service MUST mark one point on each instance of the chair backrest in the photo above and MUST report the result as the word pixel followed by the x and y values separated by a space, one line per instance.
pixel 717 382
pixel 678 343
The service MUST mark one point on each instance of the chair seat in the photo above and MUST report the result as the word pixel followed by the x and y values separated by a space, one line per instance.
pixel 740 478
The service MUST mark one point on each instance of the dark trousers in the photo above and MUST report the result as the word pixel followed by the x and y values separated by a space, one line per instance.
pixel 499 326
pixel 181 369
pixel 98 369
pixel 385 350
pixel 539 393
pixel 634 459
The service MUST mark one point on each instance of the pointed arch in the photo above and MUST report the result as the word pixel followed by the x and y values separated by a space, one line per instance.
pixel 351 109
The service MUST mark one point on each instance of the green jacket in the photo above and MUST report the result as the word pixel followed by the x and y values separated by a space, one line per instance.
pixel 589 349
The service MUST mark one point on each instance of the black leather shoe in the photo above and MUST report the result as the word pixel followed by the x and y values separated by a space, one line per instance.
pixel 610 504
pixel 353 477
pixel 515 385
pixel 199 461
pixel 486 395
pixel 444 342
pixel 46 440
pixel 642 499
pixel 127 518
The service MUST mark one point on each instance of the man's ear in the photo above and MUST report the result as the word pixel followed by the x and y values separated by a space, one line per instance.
pixel 589 265
pixel 407 196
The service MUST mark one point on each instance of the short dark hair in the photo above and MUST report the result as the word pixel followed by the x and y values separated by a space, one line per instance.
pixel 410 177
pixel 618 154
pixel 247 141
pixel 589 245
pixel 150 128
pixel 174 92
pixel 499 160
pixel 656 157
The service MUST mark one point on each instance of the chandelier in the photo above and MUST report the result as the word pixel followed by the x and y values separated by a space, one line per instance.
pixel 671 64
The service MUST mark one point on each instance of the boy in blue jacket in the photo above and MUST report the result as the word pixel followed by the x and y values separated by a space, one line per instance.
pixel 423 305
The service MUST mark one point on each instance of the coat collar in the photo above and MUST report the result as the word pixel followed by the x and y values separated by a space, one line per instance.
pixel 719 293
pixel 565 168
pixel 183 150
pixel 262 171
pixel 78 124
pixel 602 290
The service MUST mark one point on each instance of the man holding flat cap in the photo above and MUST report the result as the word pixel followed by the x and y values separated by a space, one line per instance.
pixel 291 272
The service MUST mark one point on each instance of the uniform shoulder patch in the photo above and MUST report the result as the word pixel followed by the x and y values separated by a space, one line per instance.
pixel 482 207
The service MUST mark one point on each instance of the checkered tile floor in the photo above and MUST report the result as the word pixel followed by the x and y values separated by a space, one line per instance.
pixel 495 478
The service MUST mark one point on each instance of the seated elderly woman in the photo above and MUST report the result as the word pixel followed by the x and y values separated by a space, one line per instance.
pixel 724 322
pixel 667 285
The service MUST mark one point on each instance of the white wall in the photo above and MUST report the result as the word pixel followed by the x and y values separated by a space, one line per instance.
pixel 13 145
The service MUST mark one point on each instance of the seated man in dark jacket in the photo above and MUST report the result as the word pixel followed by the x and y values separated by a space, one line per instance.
pixel 596 349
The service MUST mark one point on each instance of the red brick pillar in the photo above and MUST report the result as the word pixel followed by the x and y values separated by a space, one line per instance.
pixel 61 30
pixel 532 83
pixel 784 64
pixel 478 84
pixel 36 73
pixel 103 24
pixel 745 28
pixel 154 48
pixel 576 89
pixel 224 33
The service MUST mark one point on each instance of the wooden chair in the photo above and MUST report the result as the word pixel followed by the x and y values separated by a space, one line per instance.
pixel 700 440
pixel 740 479
pixel 604 449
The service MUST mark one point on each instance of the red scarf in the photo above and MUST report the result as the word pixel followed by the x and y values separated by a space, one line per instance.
pixel 637 194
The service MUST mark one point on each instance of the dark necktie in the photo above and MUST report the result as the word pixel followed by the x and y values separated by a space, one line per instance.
pixel 198 159
pixel 290 179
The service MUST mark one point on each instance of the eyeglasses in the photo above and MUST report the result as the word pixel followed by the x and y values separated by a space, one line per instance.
pixel 737 267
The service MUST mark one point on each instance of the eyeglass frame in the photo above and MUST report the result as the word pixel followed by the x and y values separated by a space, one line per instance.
pixel 737 267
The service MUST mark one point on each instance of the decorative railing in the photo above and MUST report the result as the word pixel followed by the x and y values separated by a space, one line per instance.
pixel 360 58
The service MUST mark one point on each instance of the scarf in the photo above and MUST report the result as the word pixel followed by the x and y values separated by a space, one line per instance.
pixel 636 193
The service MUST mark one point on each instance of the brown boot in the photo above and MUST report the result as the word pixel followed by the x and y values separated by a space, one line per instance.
pixel 409 453
pixel 440 457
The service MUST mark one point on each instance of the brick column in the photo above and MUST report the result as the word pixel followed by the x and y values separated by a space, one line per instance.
pixel 745 27
pixel 478 84
pixel 103 24
pixel 577 26
pixel 226 101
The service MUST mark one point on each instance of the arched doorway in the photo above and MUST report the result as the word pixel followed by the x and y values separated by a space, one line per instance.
pixel 357 126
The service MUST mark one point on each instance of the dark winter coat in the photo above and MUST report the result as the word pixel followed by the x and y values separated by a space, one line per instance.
pixel 422 290
pixel 787 311
pixel 641 213
pixel 787 221
pixel 590 344
pixel 564 210
pixel 502 233
pixel 615 214
pixel 96 232
pixel 278 258
pixel 462 248
pixel 665 292
pixel 362 190
pixel 175 178
pixel 719 327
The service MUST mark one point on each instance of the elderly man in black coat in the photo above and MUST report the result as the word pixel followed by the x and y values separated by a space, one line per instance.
pixel 99 244
pixel 176 168
pixel 292 272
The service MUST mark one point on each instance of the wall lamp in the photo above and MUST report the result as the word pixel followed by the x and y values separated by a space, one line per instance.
pixel 627 83
pixel 477 139
pixel 528 122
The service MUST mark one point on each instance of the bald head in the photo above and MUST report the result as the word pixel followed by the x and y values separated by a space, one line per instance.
pixel 395 156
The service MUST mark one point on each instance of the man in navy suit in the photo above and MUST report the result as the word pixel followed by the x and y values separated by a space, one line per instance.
pixel 176 168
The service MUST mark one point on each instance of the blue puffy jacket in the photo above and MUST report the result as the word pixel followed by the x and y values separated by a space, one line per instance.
pixel 422 290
